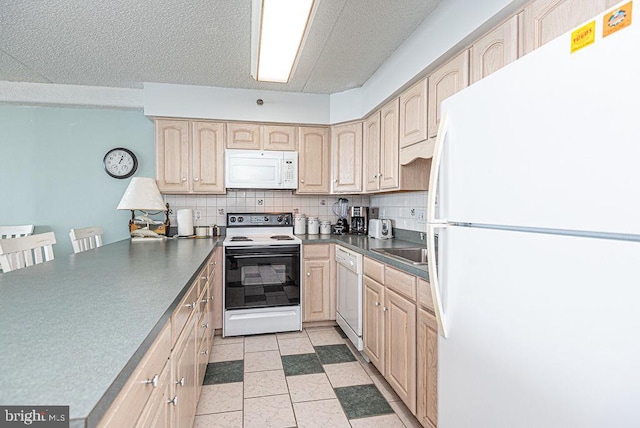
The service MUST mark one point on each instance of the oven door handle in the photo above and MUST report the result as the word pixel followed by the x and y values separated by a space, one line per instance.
pixel 253 256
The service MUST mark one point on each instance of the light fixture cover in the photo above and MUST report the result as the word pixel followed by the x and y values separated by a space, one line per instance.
pixel 142 194
pixel 278 33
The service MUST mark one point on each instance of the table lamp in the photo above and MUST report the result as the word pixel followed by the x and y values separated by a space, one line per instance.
pixel 143 194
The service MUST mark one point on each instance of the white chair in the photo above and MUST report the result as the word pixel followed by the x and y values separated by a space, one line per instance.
pixel 15 231
pixel 17 253
pixel 86 238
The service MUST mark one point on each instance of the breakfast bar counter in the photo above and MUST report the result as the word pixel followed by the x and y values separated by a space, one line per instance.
pixel 72 330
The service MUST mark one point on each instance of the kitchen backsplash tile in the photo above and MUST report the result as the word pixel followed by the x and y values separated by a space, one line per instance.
pixel 403 208
pixel 213 208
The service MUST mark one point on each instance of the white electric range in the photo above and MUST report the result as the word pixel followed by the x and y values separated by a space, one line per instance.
pixel 262 278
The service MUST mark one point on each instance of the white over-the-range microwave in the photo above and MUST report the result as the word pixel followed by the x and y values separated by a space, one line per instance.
pixel 257 169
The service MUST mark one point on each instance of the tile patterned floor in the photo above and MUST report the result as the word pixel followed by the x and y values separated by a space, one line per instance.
pixel 312 378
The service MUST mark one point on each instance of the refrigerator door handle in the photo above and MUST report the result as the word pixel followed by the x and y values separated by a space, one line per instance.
pixel 432 195
pixel 436 291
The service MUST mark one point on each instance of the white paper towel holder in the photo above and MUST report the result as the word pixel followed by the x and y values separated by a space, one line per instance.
pixel 184 218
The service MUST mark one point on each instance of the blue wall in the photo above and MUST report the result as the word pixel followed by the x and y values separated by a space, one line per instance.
pixel 51 172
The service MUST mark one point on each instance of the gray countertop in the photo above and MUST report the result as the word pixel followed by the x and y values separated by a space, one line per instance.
pixel 363 245
pixel 73 329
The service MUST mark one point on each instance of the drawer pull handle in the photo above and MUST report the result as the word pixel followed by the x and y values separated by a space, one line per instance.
pixel 153 382
pixel 191 305
pixel 203 301
pixel 377 303
pixel 204 278
pixel 173 401
pixel 180 382
pixel 205 325
pixel 205 352
pixel 384 309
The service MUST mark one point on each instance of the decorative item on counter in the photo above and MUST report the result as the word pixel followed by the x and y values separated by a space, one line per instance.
pixel 325 227
pixel 213 230
pixel 185 222
pixel 313 226
pixel 202 231
pixel 143 195
pixel 299 224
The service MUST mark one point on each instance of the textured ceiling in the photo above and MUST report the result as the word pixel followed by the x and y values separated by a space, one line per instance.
pixel 123 43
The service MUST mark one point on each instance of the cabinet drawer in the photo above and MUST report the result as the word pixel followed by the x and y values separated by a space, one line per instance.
pixel 401 282
pixel 129 404
pixel 424 294
pixel 182 313
pixel 374 269
pixel 320 251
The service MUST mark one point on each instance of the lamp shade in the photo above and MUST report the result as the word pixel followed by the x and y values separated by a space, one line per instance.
pixel 142 194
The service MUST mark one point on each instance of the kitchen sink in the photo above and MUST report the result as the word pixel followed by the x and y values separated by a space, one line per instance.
pixel 413 255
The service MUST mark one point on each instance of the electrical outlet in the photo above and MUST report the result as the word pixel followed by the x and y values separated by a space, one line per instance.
pixel 420 216
pixel 197 214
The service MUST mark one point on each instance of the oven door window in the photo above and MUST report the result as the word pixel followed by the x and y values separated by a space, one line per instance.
pixel 258 277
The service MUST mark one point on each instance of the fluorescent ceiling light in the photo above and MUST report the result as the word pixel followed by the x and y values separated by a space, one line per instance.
pixel 278 33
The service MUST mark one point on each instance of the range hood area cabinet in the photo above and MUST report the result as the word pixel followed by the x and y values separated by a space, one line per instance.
pixel 254 136
pixel 189 156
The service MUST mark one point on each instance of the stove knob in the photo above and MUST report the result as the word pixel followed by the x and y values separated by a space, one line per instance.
pixel 232 219
pixel 279 219
pixel 266 219
pixel 240 219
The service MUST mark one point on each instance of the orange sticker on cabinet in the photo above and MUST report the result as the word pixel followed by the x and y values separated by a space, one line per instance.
pixel 583 36
pixel 617 19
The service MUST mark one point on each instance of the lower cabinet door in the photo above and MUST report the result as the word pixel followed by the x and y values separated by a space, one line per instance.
pixel 427 368
pixel 400 346
pixel 373 322
pixel 184 378
pixel 316 290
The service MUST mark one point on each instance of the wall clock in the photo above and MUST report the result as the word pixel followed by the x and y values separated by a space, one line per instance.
pixel 120 163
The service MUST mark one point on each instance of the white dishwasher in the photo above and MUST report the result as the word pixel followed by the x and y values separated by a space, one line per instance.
pixel 349 307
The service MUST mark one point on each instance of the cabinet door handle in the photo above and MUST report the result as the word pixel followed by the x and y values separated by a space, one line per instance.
pixel 181 381
pixel 205 352
pixel 302 180
pixel 173 401
pixel 153 382
pixel 308 273
pixel 196 179
pixel 205 325
pixel 184 178
pixel 377 303
pixel 191 305
pixel 384 309
pixel 335 180
pixel 204 278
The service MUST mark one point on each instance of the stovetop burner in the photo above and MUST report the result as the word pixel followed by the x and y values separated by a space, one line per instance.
pixel 282 238
pixel 240 238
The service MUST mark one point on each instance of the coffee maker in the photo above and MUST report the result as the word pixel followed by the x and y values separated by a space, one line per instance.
pixel 359 220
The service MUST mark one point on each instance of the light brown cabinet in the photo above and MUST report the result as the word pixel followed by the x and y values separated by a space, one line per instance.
pixel 215 297
pixel 157 413
pixel 346 153
pixel 313 160
pixel 254 136
pixel 318 283
pixel 444 82
pixel 389 330
pixel 183 379
pixel 544 20
pixel 427 369
pixel 189 156
pixel 388 174
pixel 413 114
pixel 371 145
pixel 494 50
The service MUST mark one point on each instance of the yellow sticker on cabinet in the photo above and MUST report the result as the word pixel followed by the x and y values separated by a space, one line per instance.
pixel 583 36
pixel 617 19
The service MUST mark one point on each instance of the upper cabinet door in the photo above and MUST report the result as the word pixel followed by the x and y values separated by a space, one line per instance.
pixel 413 114
pixel 544 20
pixel 279 137
pixel 172 155
pixel 372 153
pixel 346 149
pixel 493 51
pixel 243 136
pixel 444 82
pixel 389 148
pixel 313 160
pixel 208 157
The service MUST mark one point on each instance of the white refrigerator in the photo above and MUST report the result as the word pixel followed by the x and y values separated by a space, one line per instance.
pixel 535 202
